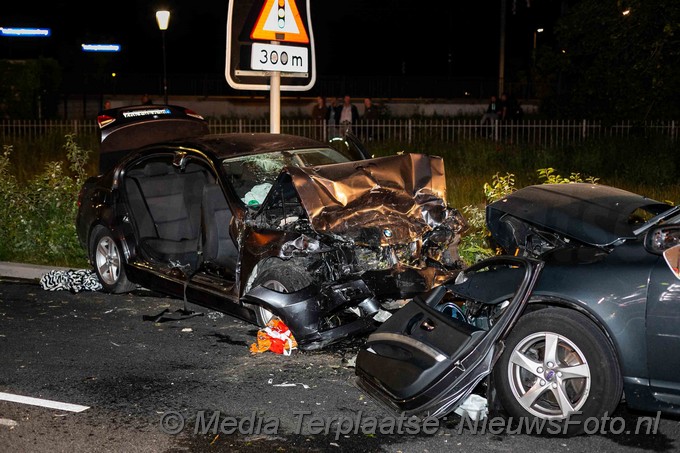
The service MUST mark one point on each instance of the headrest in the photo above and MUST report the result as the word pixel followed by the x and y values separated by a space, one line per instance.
pixel 157 169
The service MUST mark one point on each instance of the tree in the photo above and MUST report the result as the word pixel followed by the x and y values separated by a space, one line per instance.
pixel 28 88
pixel 617 59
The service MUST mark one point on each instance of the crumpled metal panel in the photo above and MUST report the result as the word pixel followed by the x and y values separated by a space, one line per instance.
pixel 593 214
pixel 405 194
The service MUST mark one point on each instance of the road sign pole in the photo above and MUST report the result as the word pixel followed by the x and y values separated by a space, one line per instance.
pixel 275 103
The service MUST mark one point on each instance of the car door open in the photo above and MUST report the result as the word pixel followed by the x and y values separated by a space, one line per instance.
pixel 431 354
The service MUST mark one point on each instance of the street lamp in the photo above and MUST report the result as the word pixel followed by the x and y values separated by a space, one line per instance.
pixel 533 53
pixel 163 19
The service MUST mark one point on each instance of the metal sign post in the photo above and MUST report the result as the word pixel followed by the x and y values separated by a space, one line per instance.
pixel 275 103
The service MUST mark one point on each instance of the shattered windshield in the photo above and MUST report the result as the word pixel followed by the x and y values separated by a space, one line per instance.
pixel 252 176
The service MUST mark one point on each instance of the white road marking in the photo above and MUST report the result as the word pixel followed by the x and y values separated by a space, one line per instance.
pixel 41 402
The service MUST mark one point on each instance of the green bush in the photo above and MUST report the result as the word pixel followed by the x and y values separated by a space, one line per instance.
pixel 39 216
pixel 476 244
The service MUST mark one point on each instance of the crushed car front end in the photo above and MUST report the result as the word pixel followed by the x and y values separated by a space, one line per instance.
pixel 368 236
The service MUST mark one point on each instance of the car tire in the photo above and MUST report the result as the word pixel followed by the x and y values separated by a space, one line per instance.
pixel 109 262
pixel 284 278
pixel 576 377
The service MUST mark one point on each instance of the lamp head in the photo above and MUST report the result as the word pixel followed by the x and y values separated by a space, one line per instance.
pixel 163 19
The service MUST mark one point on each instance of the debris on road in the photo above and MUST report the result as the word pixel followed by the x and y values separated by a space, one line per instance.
pixel 74 280
pixel 474 407
pixel 276 337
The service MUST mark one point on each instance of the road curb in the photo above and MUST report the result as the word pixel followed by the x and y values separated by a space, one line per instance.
pixel 25 271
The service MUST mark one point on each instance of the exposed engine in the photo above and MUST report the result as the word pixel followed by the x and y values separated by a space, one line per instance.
pixel 529 240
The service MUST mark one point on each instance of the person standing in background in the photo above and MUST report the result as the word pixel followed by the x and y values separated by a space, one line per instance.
pixel 349 114
pixel 492 111
pixel 371 114
pixel 320 113
pixel 370 111
pixel 333 116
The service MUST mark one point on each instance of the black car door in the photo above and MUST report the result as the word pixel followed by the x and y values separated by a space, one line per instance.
pixel 431 354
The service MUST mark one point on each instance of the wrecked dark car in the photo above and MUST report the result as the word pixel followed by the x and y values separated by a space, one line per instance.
pixel 582 313
pixel 265 225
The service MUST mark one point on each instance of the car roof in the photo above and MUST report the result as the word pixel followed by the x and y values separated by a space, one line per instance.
pixel 134 127
pixel 594 214
pixel 235 144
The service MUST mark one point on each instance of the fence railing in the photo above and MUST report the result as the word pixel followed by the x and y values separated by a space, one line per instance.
pixel 547 133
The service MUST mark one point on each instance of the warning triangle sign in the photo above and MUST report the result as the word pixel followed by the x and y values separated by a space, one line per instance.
pixel 279 20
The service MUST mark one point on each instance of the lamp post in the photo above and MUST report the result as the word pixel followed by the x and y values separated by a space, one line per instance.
pixel 533 54
pixel 501 53
pixel 163 19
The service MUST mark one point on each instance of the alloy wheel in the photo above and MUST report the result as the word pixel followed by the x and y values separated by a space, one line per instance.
pixel 549 375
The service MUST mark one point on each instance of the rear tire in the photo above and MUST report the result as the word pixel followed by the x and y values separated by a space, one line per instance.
pixel 284 278
pixel 109 262
pixel 557 362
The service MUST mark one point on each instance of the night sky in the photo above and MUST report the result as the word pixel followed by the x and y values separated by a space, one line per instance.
pixel 368 37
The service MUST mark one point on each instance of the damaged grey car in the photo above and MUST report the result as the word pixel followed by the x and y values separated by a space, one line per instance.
pixel 580 315
pixel 265 225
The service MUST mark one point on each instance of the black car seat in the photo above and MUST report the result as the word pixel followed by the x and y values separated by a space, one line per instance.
pixel 218 246
pixel 165 205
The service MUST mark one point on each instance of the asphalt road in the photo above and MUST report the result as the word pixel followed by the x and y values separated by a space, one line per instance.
pixel 141 379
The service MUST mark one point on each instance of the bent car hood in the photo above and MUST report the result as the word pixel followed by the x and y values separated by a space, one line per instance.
pixel 399 196
pixel 593 214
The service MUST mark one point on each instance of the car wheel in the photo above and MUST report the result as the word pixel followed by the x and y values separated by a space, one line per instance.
pixel 558 366
pixel 283 278
pixel 108 262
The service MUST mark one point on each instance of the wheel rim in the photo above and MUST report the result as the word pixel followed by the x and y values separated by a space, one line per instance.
pixel 107 260
pixel 549 375
pixel 266 315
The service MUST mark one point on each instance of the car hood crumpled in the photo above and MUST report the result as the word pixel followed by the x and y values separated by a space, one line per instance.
pixel 593 214
pixel 399 197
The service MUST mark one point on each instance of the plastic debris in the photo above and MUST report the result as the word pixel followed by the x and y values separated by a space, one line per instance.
pixel 257 194
pixel 350 362
pixel 276 337
pixel 8 422
pixel 474 407
pixel 290 384
pixel 160 317
pixel 382 315
pixel 215 315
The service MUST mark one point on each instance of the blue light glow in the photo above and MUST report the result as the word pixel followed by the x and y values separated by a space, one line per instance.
pixel 100 47
pixel 26 32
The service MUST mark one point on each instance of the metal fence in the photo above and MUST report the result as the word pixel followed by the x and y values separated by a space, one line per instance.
pixel 544 133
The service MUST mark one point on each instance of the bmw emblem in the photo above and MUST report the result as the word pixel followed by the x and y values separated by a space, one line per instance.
pixel 387 233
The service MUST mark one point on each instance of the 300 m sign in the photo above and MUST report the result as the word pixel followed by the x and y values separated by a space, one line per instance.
pixel 273 57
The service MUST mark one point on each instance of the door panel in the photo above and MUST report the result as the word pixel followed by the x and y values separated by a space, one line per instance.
pixel 430 355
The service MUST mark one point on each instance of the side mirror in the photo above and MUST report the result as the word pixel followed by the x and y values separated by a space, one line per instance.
pixel 672 257
pixel 661 238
